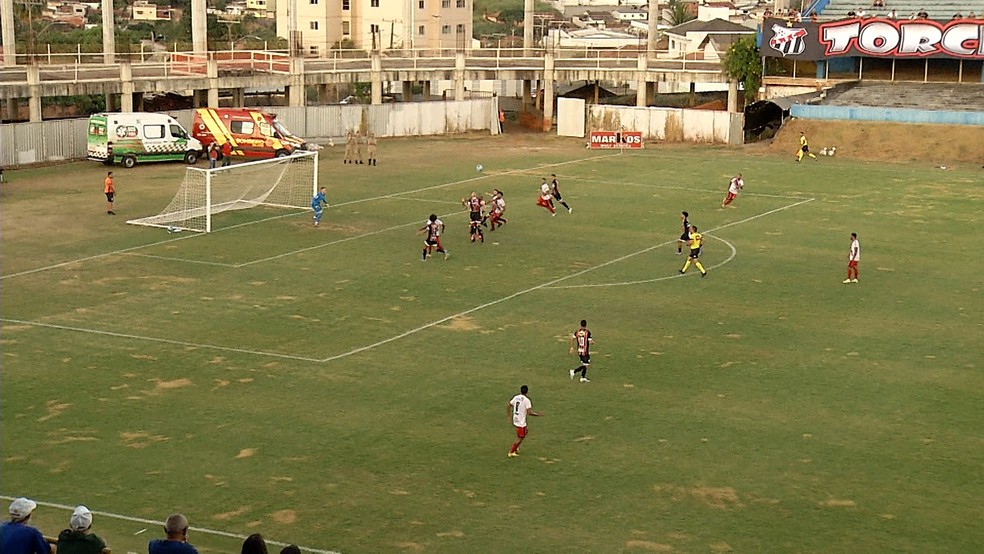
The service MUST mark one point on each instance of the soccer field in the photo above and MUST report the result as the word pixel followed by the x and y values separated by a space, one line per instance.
pixel 325 387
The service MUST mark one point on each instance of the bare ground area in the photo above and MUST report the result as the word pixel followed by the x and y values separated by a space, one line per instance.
pixel 876 141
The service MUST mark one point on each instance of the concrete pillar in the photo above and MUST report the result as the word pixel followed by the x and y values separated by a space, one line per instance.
pixel 407 91
pixel 110 102
pixel 527 93
pixel 199 98
pixel 212 71
pixel 12 109
pixel 528 24
pixel 199 27
pixel 323 97
pixel 138 101
pixel 821 69
pixel 295 87
pixel 109 32
pixel 654 17
pixel 596 91
pixel 732 96
pixel 376 76
pixel 7 30
pixel 642 66
pixel 427 90
pixel 34 85
pixel 126 87
pixel 548 90
pixel 459 75
pixel 692 100
pixel 238 98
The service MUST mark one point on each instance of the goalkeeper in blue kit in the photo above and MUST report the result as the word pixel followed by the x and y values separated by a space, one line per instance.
pixel 318 204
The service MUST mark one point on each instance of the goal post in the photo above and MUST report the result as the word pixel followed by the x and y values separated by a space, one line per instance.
pixel 286 182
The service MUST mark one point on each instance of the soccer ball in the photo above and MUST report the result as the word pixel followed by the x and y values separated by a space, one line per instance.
pixel 479 168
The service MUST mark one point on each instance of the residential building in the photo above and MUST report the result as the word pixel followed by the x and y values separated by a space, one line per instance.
pixel 707 40
pixel 142 10
pixel 384 24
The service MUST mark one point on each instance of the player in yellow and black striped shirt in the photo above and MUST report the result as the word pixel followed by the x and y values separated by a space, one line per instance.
pixel 696 242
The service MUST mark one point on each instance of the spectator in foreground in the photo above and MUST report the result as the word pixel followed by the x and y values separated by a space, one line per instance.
pixel 254 544
pixel 78 538
pixel 16 536
pixel 176 529
pixel 291 549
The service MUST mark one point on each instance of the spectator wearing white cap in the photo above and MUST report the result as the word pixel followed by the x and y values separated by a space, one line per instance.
pixel 16 536
pixel 176 528
pixel 79 538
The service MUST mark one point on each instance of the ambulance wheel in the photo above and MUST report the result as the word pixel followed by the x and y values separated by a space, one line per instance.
pixel 128 161
pixel 282 153
pixel 191 157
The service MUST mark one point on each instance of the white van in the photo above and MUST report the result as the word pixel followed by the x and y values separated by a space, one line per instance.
pixel 139 136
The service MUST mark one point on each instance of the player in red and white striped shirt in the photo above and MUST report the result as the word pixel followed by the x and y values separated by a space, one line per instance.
pixel 734 187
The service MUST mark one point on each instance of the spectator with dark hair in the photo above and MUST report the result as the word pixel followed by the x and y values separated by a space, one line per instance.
pixel 878 4
pixel 16 536
pixel 957 15
pixel 78 538
pixel 176 529
pixel 254 544
pixel 291 549
pixel 922 14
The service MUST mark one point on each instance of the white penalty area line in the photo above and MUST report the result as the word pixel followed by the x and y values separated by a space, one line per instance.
pixel 282 216
pixel 144 521
pixel 685 189
pixel 546 285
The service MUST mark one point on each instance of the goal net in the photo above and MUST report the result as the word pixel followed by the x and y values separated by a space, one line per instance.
pixel 288 182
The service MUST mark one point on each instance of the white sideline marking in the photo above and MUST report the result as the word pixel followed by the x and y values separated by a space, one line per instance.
pixel 194 235
pixel 185 260
pixel 547 285
pixel 161 523
pixel 734 252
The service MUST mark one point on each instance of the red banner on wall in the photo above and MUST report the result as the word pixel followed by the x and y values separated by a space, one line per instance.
pixel 616 139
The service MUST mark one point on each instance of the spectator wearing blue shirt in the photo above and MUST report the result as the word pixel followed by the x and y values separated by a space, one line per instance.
pixel 176 528
pixel 16 536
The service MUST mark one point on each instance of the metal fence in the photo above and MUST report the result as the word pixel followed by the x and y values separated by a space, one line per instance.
pixel 58 140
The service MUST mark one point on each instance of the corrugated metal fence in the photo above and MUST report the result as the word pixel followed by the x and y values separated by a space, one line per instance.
pixel 47 141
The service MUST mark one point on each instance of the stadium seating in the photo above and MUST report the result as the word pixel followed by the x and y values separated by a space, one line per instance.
pixel 941 10
pixel 922 96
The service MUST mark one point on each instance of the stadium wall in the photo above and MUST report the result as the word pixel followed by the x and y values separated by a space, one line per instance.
pixel 893 115
pixel 670 124
pixel 58 140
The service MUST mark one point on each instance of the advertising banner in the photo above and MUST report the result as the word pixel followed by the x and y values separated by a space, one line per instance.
pixel 874 37
pixel 616 139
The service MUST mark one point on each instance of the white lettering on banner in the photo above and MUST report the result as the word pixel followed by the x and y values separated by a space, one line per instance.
pixel 903 38
pixel 613 139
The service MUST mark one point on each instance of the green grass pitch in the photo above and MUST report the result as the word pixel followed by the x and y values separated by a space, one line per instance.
pixel 324 387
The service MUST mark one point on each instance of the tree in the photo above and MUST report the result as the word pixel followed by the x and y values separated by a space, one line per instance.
pixel 743 63
pixel 679 12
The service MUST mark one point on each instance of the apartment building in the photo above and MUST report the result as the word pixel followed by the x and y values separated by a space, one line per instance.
pixel 384 24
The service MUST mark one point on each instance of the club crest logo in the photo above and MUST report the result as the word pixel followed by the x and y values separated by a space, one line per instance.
pixel 788 41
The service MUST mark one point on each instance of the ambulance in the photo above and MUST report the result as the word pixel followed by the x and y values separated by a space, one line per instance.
pixel 139 137
pixel 251 133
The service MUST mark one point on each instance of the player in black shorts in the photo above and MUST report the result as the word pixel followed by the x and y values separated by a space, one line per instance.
pixel 555 192
pixel 685 237
pixel 474 205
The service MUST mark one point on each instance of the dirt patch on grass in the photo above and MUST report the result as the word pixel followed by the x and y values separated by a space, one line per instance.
pixel 246 453
pixel 168 385
pixel 55 409
pixel 837 503
pixel 716 497
pixel 877 141
pixel 140 439
pixel 648 546
pixel 462 324
pixel 232 514
pixel 284 517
